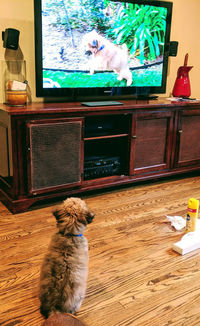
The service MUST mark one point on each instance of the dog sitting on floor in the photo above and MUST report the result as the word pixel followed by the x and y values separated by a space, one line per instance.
pixel 107 56
pixel 65 267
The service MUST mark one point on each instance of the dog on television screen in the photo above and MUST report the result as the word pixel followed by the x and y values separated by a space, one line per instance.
pixel 107 56
pixel 65 267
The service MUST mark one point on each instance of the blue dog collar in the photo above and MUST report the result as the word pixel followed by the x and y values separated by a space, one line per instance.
pixel 101 48
pixel 74 235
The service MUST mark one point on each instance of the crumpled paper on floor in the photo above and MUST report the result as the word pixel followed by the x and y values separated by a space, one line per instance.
pixel 178 222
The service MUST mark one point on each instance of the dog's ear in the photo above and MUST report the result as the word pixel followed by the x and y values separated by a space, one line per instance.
pixel 58 212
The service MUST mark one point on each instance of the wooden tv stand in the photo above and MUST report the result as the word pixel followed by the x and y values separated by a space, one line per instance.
pixel 52 150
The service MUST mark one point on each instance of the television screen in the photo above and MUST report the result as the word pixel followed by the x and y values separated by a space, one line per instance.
pixel 101 47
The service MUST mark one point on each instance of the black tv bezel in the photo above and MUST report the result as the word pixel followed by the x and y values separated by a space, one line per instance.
pixel 74 94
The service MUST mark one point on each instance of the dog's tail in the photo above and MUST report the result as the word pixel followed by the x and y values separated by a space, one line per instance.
pixel 61 319
pixel 124 48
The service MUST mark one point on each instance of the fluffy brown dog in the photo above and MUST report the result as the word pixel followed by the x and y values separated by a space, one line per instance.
pixel 65 266
pixel 107 56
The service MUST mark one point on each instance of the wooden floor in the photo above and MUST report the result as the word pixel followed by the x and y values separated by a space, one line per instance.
pixel 135 278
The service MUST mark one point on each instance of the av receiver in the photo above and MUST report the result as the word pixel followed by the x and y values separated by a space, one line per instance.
pixel 101 166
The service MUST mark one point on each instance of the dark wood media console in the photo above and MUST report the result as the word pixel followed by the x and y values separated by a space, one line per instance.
pixel 55 150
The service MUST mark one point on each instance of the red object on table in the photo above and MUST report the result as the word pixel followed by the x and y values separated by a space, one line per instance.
pixel 182 83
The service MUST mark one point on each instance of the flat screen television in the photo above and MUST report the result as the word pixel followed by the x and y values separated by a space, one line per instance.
pixel 101 49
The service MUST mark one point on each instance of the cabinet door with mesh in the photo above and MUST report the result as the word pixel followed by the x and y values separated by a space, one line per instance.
pixel 54 149
pixel 188 139
pixel 151 142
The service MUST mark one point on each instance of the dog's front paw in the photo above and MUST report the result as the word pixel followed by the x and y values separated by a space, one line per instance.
pixel 129 82
pixel 119 78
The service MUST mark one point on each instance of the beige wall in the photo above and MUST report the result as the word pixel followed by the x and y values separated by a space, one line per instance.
pixel 185 29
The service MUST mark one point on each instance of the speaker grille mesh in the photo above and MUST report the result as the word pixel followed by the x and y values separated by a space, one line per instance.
pixel 55 154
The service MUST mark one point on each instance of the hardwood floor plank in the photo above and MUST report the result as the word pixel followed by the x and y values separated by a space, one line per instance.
pixel 135 278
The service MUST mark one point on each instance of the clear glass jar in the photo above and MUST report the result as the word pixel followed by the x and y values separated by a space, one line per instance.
pixel 14 82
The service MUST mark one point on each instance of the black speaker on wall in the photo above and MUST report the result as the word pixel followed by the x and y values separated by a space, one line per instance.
pixel 173 48
pixel 10 38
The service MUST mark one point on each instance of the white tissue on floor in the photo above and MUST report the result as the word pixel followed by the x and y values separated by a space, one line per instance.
pixel 177 222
